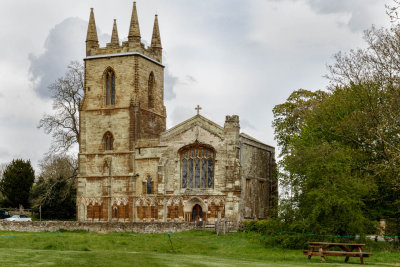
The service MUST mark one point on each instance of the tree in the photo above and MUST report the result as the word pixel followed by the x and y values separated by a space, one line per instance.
pixel 319 169
pixel 289 116
pixel 2 169
pixel 345 144
pixel 66 93
pixel 55 189
pixel 343 157
pixel 379 62
pixel 18 178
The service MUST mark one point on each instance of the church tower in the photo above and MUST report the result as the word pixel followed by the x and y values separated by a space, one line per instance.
pixel 122 112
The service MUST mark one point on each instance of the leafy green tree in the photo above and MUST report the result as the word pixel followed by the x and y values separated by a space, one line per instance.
pixel 343 163
pixel 342 147
pixel 16 184
pixel 289 116
pixel 55 189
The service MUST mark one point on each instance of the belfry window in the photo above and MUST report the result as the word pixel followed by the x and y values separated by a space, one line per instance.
pixel 108 141
pixel 110 87
pixel 197 164
pixel 150 91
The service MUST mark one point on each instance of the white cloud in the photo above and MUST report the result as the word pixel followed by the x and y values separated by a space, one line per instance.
pixel 229 56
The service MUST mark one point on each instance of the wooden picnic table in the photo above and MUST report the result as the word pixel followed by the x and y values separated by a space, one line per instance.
pixel 347 249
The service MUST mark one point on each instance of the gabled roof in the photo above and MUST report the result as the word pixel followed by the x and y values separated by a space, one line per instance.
pixel 196 120
pixel 249 139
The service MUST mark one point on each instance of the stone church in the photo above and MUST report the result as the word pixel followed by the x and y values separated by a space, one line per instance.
pixel 133 169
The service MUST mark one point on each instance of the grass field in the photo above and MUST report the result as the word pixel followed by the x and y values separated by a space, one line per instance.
pixel 192 248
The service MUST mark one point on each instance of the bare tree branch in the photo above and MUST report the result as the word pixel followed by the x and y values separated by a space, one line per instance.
pixel 66 93
pixel 379 62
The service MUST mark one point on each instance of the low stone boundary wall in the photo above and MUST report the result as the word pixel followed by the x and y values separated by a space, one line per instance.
pixel 99 227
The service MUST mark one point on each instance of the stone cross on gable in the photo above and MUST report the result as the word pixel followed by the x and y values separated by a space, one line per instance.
pixel 198 108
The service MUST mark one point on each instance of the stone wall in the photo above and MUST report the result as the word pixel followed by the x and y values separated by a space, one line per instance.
pixel 257 161
pixel 99 227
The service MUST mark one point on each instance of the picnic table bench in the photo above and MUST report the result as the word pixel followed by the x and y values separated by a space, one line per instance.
pixel 322 249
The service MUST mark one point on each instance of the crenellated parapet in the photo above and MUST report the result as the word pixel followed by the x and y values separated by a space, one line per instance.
pixel 134 44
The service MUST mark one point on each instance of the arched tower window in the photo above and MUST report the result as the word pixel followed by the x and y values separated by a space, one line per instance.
pixel 150 90
pixel 197 166
pixel 149 186
pixel 108 141
pixel 110 87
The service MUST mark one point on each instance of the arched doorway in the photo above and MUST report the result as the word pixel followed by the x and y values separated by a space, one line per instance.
pixel 197 213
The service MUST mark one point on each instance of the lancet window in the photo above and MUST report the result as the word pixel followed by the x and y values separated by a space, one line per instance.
pixel 197 164
pixel 108 141
pixel 148 186
pixel 110 87
pixel 150 90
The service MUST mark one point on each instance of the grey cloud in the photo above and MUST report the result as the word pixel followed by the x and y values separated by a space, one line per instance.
pixel 169 83
pixel 1 95
pixel 64 43
pixel 359 9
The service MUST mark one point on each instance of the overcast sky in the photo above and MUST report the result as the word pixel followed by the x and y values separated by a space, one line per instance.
pixel 229 56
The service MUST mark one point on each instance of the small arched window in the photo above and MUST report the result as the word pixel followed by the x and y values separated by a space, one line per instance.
pixel 110 87
pixel 150 90
pixel 197 165
pixel 108 141
pixel 115 212
pixel 149 186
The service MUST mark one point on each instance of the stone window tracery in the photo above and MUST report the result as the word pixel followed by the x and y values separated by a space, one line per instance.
pixel 108 141
pixel 197 166
pixel 150 91
pixel 110 87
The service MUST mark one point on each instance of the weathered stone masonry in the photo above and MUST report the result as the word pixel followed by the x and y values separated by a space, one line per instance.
pixel 132 169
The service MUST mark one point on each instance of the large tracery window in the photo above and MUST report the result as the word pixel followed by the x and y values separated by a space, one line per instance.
pixel 110 87
pixel 150 90
pixel 108 141
pixel 197 162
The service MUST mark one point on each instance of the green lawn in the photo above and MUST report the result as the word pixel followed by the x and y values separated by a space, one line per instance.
pixel 193 248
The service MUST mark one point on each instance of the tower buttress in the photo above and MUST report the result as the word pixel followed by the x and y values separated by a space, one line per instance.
pixel 134 31
pixel 156 39
pixel 91 38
